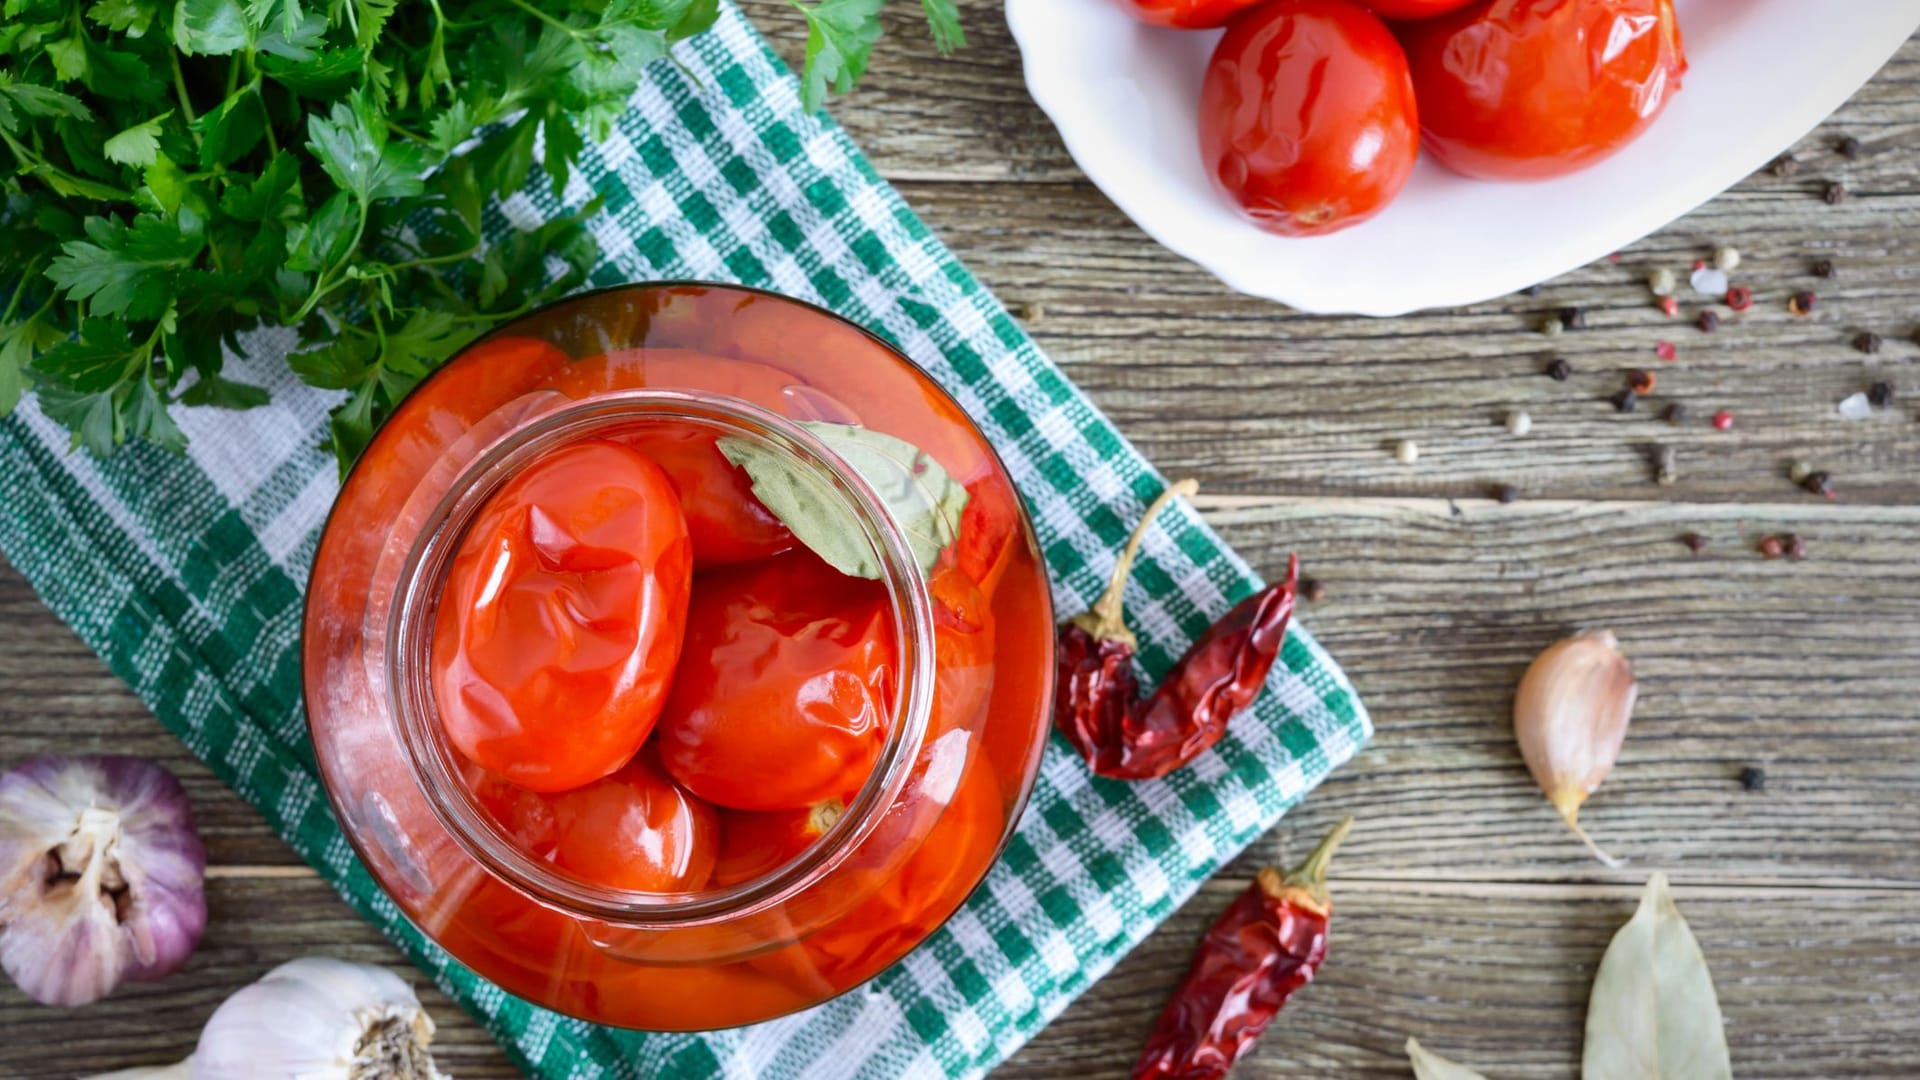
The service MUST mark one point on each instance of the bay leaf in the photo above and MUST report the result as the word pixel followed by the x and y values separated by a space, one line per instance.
pixel 923 499
pixel 1428 1065
pixel 1653 1014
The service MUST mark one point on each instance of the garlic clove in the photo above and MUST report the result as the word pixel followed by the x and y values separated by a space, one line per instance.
pixel 1570 718
pixel 100 876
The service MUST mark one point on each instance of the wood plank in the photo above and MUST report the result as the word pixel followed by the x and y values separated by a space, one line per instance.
pixel 1251 398
pixel 1813 983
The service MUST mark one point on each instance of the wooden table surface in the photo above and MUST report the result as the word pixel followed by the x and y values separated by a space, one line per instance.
pixel 1467 916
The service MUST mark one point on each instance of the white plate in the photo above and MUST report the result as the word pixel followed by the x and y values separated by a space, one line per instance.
pixel 1763 73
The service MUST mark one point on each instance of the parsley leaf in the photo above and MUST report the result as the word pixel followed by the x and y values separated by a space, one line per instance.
pixel 943 18
pixel 210 27
pixel 351 145
pixel 124 270
pixel 840 38
pixel 137 145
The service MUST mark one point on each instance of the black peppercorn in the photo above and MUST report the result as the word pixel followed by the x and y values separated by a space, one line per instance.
pixel 1823 268
pixel 1506 493
pixel 1695 542
pixel 1796 547
pixel 1880 394
pixel 1676 414
pixel 1640 382
pixel 1849 147
pixel 1559 369
pixel 1801 303
pixel 1709 321
pixel 1532 290
pixel 1627 401
pixel 1834 193
pixel 1772 548
pixel 1753 778
pixel 1784 165
pixel 1573 318
pixel 1314 590
pixel 1819 483
pixel 1867 342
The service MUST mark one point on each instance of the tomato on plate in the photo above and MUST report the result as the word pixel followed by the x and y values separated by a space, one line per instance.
pixel 635 830
pixel 560 622
pixel 1186 14
pixel 785 685
pixel 1307 118
pixel 1532 89
pixel 1412 9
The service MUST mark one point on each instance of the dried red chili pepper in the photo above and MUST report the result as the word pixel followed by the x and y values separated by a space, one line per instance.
pixel 1097 703
pixel 1266 945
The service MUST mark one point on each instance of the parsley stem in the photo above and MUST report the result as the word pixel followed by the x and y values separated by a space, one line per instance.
pixel 180 91
pixel 546 18
pixel 428 260
pixel 20 293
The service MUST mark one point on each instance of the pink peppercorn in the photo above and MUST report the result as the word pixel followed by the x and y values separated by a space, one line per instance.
pixel 1670 305
pixel 1699 264
pixel 1723 421
pixel 1665 351
pixel 1739 298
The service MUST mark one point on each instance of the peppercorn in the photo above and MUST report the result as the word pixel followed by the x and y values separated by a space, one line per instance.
pixel 1665 350
pixel 1709 321
pixel 1519 423
pixel 1626 400
pixel 1801 303
pixel 1532 290
pixel 1739 298
pixel 1676 414
pixel 1753 778
pixel 1695 542
pixel 1819 483
pixel 1559 369
pixel 1550 326
pixel 1867 342
pixel 1668 473
pixel 1880 394
pixel 1661 282
pixel 1784 165
pixel 1834 193
pixel 1031 312
pixel 1849 148
pixel 1669 306
pixel 1573 318
pixel 1723 421
pixel 1772 548
pixel 1796 547
pixel 1314 590
pixel 1641 382
pixel 1799 471
pixel 1506 493
pixel 1726 258
pixel 1823 268
pixel 1406 451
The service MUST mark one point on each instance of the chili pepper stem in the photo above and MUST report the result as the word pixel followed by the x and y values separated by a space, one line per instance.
pixel 1309 879
pixel 1105 620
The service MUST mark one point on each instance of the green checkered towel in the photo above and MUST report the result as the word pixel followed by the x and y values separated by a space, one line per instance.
pixel 186 573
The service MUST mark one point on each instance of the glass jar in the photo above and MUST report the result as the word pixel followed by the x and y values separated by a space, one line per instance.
pixel 972 629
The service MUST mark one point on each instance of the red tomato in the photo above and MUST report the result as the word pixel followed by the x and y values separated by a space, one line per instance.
pixel 785 685
pixel 633 830
pixel 752 843
pixel 725 522
pixel 560 622
pixel 1186 14
pixel 1307 120
pixel 1412 9
pixel 1530 89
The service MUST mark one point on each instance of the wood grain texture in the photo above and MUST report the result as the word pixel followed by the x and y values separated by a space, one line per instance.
pixel 1467 916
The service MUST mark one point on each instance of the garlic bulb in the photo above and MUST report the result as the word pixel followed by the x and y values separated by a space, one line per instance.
pixel 317 1018
pixel 100 876
pixel 1570 717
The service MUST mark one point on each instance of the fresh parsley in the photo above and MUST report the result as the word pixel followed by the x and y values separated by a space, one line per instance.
pixel 174 173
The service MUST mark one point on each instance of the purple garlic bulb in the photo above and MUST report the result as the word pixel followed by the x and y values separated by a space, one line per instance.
pixel 100 876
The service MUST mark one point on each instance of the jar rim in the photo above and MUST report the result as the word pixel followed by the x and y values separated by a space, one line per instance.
pixel 434 763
